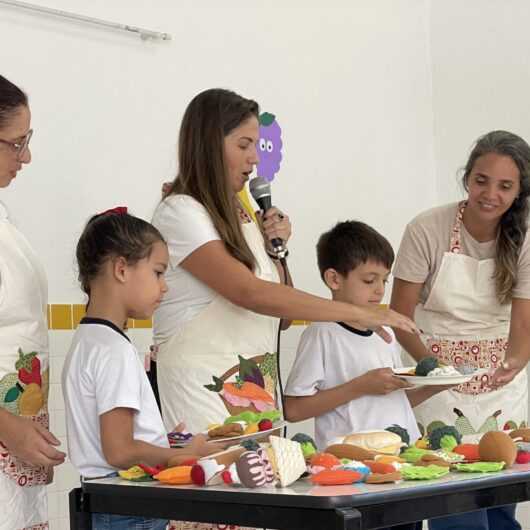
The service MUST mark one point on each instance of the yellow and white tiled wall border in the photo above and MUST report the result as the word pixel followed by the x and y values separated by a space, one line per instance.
pixel 68 316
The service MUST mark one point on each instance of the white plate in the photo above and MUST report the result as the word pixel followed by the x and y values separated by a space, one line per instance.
pixel 239 438
pixel 418 380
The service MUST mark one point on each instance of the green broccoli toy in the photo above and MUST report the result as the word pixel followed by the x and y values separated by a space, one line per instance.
pixel 446 438
pixel 309 447
pixel 426 365
pixel 401 432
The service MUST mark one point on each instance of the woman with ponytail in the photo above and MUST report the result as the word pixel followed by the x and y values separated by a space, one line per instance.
pixel 463 273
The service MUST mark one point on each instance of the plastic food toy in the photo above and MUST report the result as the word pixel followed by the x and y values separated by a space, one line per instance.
pixel 309 447
pixel 401 432
pixel 497 446
pixel 446 437
pixel 175 475
pixel 336 477
pixel 480 467
pixel 423 472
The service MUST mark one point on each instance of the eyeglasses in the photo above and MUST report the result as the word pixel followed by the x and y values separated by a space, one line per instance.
pixel 19 147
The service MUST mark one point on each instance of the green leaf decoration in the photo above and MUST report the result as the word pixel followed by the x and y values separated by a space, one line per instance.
pixel 266 118
pixel 217 385
pixel 12 395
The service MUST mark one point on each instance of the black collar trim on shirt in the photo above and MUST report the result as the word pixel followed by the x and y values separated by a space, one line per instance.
pixel 104 322
pixel 365 333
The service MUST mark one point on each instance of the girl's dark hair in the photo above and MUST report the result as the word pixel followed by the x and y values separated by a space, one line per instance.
pixel 350 244
pixel 514 223
pixel 111 235
pixel 11 99
pixel 202 171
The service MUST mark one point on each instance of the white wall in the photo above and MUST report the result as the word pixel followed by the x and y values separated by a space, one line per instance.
pixel 378 102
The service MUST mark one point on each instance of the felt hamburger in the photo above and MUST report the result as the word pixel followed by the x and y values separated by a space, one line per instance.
pixel 382 442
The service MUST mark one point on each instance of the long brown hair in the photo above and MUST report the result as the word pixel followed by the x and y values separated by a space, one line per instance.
pixel 514 223
pixel 202 171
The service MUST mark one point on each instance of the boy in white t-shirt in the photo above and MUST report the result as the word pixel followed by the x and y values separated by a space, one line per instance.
pixel 342 376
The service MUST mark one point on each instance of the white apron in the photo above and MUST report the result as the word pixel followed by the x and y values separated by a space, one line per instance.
pixel 463 323
pixel 24 373
pixel 212 349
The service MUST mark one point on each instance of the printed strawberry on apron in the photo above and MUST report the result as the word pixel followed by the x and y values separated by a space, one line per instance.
pixel 464 323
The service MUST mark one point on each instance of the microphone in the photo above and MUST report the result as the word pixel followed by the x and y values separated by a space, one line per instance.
pixel 260 189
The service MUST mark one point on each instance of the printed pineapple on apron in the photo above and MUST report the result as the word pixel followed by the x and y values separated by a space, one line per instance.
pixel 463 323
pixel 23 373
pixel 223 361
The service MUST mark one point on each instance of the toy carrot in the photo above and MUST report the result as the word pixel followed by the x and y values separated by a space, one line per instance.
pixel 175 475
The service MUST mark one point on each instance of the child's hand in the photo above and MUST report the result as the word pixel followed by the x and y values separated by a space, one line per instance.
pixel 381 381
pixel 200 446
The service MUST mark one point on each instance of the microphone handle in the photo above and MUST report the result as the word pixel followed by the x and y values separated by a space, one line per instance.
pixel 265 203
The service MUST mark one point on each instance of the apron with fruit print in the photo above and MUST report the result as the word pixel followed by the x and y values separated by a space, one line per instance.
pixel 222 363
pixel 23 374
pixel 464 324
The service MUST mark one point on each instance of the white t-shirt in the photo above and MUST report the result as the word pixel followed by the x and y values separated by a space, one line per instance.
pixel 102 372
pixel 330 354
pixel 186 226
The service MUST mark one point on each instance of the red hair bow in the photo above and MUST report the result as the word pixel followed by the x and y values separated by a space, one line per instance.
pixel 118 210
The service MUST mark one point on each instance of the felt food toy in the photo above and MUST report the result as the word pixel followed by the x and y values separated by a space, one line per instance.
pixel 480 467
pixel 497 446
pixel 253 469
pixel 309 447
pixel 336 477
pixel 520 434
pixel 401 432
pixel 523 457
pixel 226 431
pixel 446 438
pixel 251 428
pixel 352 452
pixel 389 459
pixel 287 460
pixel 430 459
pixel 324 460
pixel 175 475
pixel 379 467
pixel 426 365
pixel 468 451
pixel 413 454
pixel 423 472
pixel 206 473
pixel 135 474
pixel 384 442
pixel 384 478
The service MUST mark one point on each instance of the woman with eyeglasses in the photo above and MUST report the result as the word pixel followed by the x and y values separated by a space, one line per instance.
pixel 27 452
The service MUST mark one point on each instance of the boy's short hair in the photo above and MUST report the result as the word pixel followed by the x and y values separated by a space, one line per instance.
pixel 350 244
